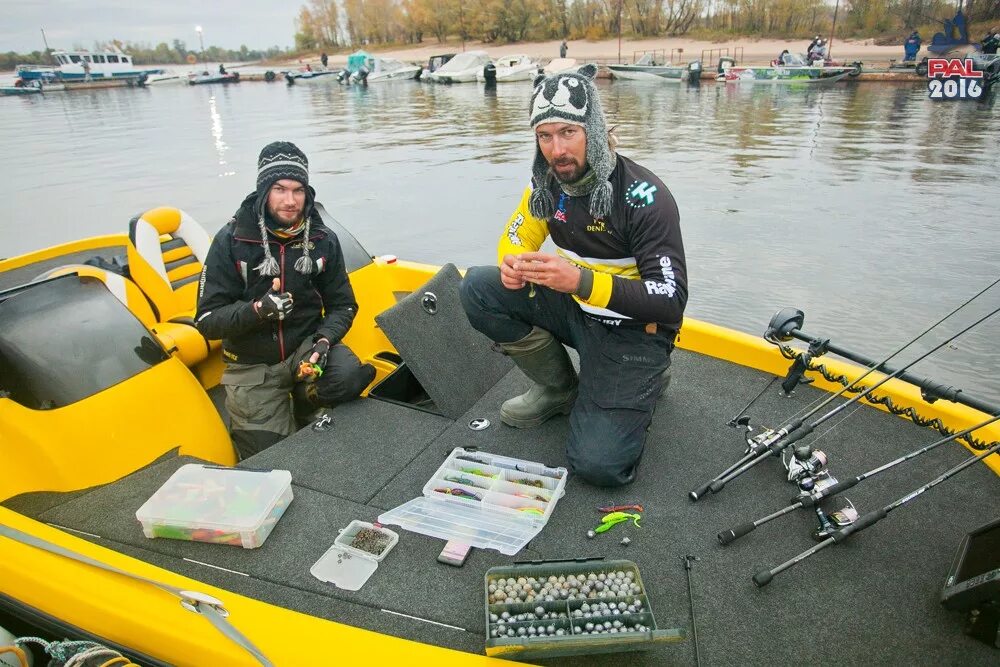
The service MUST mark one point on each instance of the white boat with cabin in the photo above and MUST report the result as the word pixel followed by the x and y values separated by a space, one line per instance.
pixel 72 66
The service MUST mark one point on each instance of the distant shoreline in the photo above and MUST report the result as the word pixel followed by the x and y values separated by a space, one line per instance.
pixel 754 50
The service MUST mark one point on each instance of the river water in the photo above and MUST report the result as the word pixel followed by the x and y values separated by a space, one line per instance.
pixel 868 206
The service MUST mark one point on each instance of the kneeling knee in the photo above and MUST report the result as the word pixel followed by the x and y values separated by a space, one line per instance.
pixel 597 472
pixel 477 280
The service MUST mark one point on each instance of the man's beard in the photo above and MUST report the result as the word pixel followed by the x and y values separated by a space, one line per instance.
pixel 282 219
pixel 567 177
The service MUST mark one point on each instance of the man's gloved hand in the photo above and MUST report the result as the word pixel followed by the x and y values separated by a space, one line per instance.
pixel 274 305
pixel 317 355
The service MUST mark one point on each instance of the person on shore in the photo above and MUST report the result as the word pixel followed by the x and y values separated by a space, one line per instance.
pixel 615 289
pixel 280 321
pixel 911 47
pixel 323 58
pixel 991 42
pixel 563 48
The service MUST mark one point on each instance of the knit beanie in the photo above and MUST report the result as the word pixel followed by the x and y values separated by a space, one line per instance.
pixel 281 160
pixel 570 97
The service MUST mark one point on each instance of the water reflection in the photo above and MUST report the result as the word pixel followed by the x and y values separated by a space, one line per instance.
pixel 844 200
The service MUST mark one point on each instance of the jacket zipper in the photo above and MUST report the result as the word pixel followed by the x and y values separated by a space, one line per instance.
pixel 281 326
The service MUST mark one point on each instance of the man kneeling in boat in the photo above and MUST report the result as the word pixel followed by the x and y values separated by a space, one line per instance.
pixel 614 290
pixel 280 322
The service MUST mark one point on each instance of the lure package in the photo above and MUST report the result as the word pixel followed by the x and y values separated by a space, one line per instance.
pixel 218 505
pixel 483 500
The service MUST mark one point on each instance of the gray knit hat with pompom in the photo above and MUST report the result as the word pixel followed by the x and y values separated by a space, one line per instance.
pixel 570 97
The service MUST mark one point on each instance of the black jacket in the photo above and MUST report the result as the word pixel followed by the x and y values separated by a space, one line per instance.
pixel 324 304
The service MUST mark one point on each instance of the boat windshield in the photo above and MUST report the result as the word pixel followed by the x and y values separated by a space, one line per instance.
pixel 66 339
pixel 793 60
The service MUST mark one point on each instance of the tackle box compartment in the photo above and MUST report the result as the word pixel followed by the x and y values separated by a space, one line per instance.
pixel 204 503
pixel 565 627
pixel 483 500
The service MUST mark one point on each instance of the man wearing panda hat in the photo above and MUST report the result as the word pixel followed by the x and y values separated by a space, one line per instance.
pixel 615 288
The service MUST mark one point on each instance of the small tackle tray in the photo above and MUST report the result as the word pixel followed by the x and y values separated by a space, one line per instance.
pixel 205 503
pixel 483 500
pixel 532 610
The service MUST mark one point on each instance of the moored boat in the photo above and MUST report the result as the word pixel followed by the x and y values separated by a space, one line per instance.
pixel 206 77
pixel 309 75
pixel 72 66
pixel 793 69
pixel 510 68
pixel 647 68
pixel 463 68
pixel 104 397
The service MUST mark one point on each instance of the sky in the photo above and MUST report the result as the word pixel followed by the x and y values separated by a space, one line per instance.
pixel 226 23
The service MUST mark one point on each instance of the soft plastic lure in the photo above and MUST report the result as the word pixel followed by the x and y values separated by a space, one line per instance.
pixel 609 521
pixel 620 508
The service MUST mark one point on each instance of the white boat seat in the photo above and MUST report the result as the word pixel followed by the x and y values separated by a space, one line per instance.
pixel 166 250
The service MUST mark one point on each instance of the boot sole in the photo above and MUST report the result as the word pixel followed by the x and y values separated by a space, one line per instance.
pixel 562 409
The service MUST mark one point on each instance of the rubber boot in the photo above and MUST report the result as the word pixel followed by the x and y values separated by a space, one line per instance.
pixel 553 391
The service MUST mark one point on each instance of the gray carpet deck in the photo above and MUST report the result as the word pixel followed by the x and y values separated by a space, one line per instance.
pixel 872 600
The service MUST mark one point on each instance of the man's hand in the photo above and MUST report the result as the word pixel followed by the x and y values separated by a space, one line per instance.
pixel 548 270
pixel 320 349
pixel 274 305
pixel 510 278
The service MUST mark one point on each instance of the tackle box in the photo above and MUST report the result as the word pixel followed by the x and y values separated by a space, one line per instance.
pixel 545 628
pixel 205 503
pixel 348 565
pixel 483 500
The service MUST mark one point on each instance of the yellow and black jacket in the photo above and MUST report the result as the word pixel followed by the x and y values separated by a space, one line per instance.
pixel 633 262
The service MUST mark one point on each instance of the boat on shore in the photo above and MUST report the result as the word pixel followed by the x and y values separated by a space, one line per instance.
pixel 309 75
pixel 104 397
pixel 794 69
pixel 71 66
pixel 648 68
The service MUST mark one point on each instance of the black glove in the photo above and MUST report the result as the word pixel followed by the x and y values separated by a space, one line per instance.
pixel 322 348
pixel 274 305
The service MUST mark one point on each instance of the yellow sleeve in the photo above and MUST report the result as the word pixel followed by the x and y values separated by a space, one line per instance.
pixel 523 233
pixel 600 294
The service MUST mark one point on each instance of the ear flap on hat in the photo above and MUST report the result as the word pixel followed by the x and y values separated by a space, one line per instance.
pixel 538 80
pixel 589 70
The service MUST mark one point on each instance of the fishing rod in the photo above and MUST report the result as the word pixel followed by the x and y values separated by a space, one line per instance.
pixel 764 577
pixel 765 440
pixel 812 499
pixel 786 436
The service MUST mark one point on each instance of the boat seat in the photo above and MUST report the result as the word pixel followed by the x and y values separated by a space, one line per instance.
pixel 180 339
pixel 166 251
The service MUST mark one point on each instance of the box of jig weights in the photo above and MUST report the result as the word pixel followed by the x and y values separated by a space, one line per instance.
pixel 569 607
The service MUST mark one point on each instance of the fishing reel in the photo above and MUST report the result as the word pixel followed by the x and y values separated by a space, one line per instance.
pixel 807 469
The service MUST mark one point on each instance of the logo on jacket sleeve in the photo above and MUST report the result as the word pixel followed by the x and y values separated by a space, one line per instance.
pixel 640 194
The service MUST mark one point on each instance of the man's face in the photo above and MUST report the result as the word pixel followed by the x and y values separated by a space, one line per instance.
pixel 285 201
pixel 564 147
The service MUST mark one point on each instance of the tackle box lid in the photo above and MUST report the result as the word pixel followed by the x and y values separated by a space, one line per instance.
pixel 206 496
pixel 494 502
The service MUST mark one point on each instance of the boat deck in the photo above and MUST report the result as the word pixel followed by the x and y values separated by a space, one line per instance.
pixel 873 600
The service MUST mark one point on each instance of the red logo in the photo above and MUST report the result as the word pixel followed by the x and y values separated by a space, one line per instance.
pixel 560 215
pixel 938 67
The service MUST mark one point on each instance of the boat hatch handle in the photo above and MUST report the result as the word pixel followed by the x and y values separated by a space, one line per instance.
pixel 190 600
pixel 206 605
pixel 430 302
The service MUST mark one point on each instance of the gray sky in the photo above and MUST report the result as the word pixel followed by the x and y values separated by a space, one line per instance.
pixel 226 23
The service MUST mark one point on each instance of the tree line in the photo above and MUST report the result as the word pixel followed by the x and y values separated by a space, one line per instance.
pixel 334 24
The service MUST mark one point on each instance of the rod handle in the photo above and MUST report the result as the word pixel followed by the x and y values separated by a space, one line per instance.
pixel 763 578
pixel 869 519
pixel 727 536
pixel 717 486
pixel 699 493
